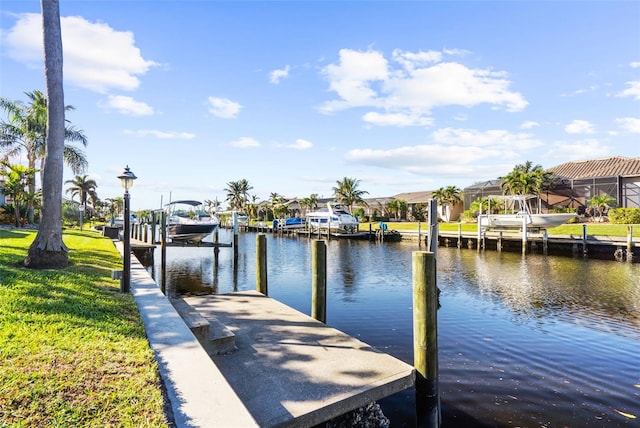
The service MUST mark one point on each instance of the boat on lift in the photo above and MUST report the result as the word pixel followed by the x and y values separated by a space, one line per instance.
pixel 291 223
pixel 188 222
pixel 335 218
pixel 522 216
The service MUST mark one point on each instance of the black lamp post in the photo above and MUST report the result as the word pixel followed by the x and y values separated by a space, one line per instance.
pixel 126 179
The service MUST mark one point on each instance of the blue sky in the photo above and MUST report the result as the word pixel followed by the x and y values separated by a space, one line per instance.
pixel 296 95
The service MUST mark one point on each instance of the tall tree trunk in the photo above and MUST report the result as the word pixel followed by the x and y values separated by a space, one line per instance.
pixel 48 251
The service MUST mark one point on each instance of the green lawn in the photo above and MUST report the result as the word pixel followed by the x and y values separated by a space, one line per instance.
pixel 73 350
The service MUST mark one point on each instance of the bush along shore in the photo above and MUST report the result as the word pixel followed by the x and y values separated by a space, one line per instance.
pixel 73 349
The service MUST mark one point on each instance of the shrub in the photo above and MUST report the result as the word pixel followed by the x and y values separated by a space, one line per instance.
pixel 624 215
pixel 469 216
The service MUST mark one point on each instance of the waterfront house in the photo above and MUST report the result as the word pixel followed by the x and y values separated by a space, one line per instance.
pixel 579 181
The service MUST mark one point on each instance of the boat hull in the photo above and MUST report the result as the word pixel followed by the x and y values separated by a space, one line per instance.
pixel 539 221
pixel 335 218
pixel 189 232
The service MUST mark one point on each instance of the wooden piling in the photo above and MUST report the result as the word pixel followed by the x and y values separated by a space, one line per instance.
pixel 545 241
pixel 630 243
pixel 584 239
pixel 163 253
pixel 261 264
pixel 524 234
pixel 319 280
pixel 459 235
pixel 425 334
pixel 432 245
pixel 216 249
pixel 235 237
pixel 499 244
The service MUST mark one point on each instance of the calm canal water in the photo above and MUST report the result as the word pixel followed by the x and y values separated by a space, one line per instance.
pixel 529 341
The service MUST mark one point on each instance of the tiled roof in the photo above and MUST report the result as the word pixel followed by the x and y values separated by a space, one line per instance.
pixel 607 167
pixel 414 197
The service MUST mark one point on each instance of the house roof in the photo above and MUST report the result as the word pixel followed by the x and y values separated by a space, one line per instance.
pixel 414 197
pixel 594 168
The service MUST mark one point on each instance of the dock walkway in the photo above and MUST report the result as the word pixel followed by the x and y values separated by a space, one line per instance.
pixel 289 370
pixel 292 370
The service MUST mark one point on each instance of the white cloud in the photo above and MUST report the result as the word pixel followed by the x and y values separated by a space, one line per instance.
pixel 429 159
pixel 397 119
pixel 96 56
pixel 277 75
pixel 300 144
pixel 161 135
pixel 352 77
pixel 579 127
pixel 497 139
pixel 578 150
pixel 465 152
pixel 529 124
pixel 633 90
pixel 127 106
pixel 245 142
pixel 412 85
pixel 224 108
pixel 635 64
pixel 411 60
pixel 630 124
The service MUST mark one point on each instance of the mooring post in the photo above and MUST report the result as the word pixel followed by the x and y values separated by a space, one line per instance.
pixel 261 264
pixel 235 237
pixel 153 227
pixel 419 234
pixel 630 243
pixel 432 245
pixel 163 253
pixel 459 235
pixel 479 231
pixel 319 280
pixel 545 241
pixel 524 234
pixel 499 248
pixel 584 239
pixel 425 338
pixel 216 249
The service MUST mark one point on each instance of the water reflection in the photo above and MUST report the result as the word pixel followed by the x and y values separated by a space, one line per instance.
pixel 529 341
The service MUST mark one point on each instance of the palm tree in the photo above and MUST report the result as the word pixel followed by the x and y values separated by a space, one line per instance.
pixel 48 250
pixel 310 202
pixel 212 205
pixel 26 130
pixel 15 185
pixel 447 197
pixel 526 179
pixel 238 193
pixel 347 192
pixel 84 188
pixel 601 202
pixel 396 206
pixel 115 205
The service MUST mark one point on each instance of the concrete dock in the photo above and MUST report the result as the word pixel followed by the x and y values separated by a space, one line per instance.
pixel 288 370
pixel 291 370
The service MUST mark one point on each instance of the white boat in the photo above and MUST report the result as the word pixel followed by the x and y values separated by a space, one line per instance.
pixel 290 223
pixel 187 221
pixel 334 218
pixel 523 216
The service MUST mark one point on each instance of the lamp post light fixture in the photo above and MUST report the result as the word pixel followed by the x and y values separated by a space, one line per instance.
pixel 126 179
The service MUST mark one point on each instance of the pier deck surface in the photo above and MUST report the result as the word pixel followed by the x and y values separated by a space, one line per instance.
pixel 292 370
